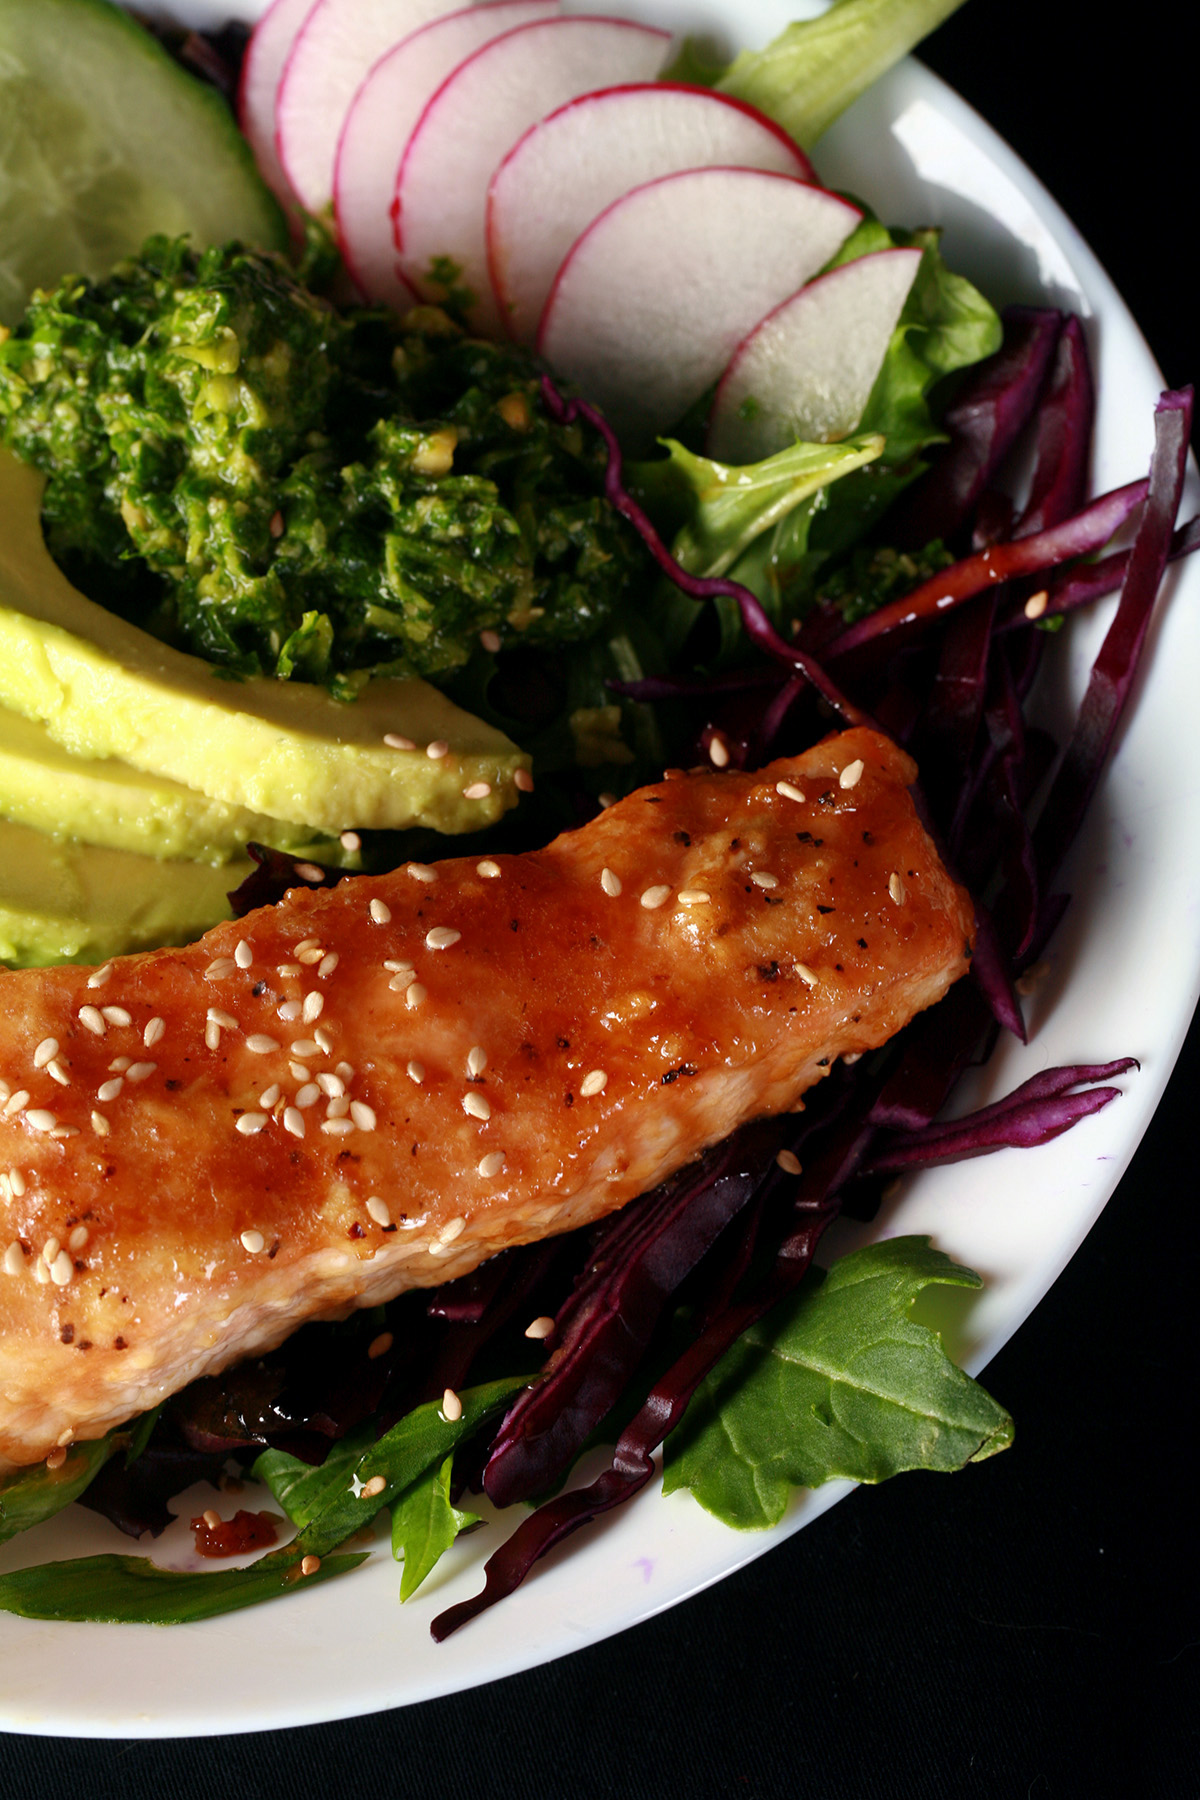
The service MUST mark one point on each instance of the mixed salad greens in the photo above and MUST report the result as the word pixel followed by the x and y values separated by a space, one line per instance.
pixel 889 576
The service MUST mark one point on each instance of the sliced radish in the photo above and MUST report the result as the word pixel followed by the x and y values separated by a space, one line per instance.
pixel 807 370
pixel 381 121
pixel 266 54
pixel 339 44
pixel 477 115
pixel 656 295
pixel 572 165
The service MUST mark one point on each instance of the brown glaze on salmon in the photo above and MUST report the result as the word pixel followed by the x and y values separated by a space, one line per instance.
pixel 374 1088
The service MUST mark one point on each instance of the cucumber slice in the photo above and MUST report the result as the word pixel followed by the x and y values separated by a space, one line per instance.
pixel 103 140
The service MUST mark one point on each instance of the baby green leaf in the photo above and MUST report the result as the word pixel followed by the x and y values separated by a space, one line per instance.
pixel 424 1524
pixel 129 1590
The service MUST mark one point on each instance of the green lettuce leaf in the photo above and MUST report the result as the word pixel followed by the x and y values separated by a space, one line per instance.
pixel 425 1524
pixel 330 1510
pixel 839 1381
pixel 33 1495
pixel 129 1590
pixel 815 69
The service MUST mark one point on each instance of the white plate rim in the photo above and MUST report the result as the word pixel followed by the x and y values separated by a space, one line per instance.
pixel 145 1682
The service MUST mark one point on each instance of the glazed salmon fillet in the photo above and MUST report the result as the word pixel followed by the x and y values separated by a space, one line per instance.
pixel 375 1087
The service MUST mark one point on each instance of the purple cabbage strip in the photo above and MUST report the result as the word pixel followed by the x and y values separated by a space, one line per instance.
pixel 758 626
pixel 602 1333
pixel 933 599
pixel 1058 488
pixel 983 424
pixel 1034 1113
pixel 1116 666
pixel 1086 583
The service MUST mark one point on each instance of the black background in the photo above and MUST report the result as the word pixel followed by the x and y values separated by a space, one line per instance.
pixel 1030 1627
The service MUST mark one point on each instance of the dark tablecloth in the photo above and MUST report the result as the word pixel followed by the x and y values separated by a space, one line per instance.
pixel 1028 1628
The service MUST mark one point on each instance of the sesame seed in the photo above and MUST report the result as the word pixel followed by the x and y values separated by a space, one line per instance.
pixel 17 1182
pixel 852 1056
pixel 108 1090
pixel 381 912
pixel 61 1269
pixel 98 977
pixel 540 1328
pixel 57 1457
pixel 763 880
pixel 50 1250
pixel 327 965
pixel 289 1012
pixel 331 1084
pixel 451 1406
pixel 610 883
pixel 92 1019
pixel 381 1345
pixel 46 1051
pixel 415 995
pixel 40 1119
pixel 41 1273
pixel 399 967
pixel 225 1021
pixel 155 1029
pixel 212 1036
pixel 350 840
pixel 395 741
pixel 416 1072
pixel 15 1102
pixel 251 1123
pixel 65 1131
pixel 310 954
pixel 293 1121
pixel 270 1095
pixel 594 1083
pixel 14 1259
pixel 490 641
pixel 211 1519
pixel 478 790
pixel 788 790
pixel 119 1064
pixel 491 1164
pixel 896 889
pixel 476 1060
pixel 422 872
pixel 374 1487
pixel 805 973
pixel 116 1015
pixel 851 775
pixel 453 1228
pixel 139 1071
pixel 379 1210
pixel 309 1564
pixel 99 1124
pixel 1036 604
pixel 243 956
pixel 718 751
pixel 477 1106
pixel 314 1006
pixel 654 897
pixel 78 1238
pixel 488 869
pixel 403 980
pixel 441 937
pixel 57 1073
pixel 605 801
pixel 308 871
pixel 289 969
pixel 305 1047
pixel 253 1241
pixel 694 897
pixel 220 968
pixel 337 1127
pixel 363 1115
pixel 298 1071
pixel 789 1162
pixel 523 781
pixel 64 1437
pixel 437 749
pixel 322 1039
pixel 308 944
pixel 259 1044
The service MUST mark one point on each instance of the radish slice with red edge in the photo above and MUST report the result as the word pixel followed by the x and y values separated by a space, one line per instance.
pixel 340 43
pixel 808 369
pixel 473 121
pixel 262 68
pixel 654 298
pixel 382 118
pixel 568 168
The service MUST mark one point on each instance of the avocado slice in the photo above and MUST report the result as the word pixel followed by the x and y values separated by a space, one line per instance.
pixel 62 902
pixel 104 688
pixel 108 803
